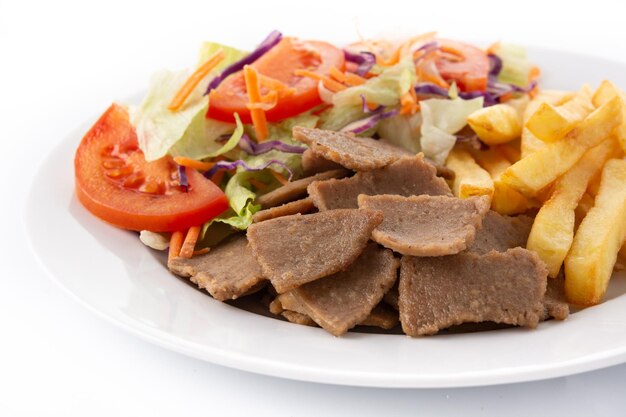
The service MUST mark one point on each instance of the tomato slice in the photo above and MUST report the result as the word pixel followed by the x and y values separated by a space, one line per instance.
pixel 279 63
pixel 467 65
pixel 115 183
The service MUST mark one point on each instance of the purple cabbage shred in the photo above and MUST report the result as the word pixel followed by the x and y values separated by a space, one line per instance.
pixel 253 148
pixel 268 43
pixel 182 177
pixel 364 59
pixel 369 122
pixel 239 163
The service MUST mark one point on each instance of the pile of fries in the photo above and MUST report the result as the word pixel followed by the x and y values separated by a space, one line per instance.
pixel 561 156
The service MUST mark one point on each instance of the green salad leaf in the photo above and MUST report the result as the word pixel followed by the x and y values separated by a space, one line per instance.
pixel 441 119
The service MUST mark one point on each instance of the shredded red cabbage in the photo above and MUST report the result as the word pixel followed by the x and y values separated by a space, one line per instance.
pixel 369 122
pixel 429 89
pixel 491 96
pixel 182 177
pixel 239 163
pixel 268 43
pixel 427 48
pixel 253 148
pixel 364 59
pixel 365 107
pixel 495 65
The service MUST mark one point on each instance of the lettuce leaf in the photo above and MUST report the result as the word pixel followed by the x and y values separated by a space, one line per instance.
pixel 207 49
pixel 336 118
pixel 241 201
pixel 385 89
pixel 402 130
pixel 159 129
pixel 441 119
pixel 515 64
pixel 198 146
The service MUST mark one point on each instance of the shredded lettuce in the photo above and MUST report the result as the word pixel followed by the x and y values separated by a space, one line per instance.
pixel 200 138
pixel 241 201
pixel 402 130
pixel 515 64
pixel 159 129
pixel 441 119
pixel 207 49
pixel 385 89
pixel 335 118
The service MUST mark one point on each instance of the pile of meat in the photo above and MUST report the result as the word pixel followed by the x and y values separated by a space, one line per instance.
pixel 373 236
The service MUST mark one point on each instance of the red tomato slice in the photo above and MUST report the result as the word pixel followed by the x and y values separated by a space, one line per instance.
pixel 115 183
pixel 467 65
pixel 279 63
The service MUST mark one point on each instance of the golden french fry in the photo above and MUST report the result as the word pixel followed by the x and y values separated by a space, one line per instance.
pixel 534 172
pixel 553 229
pixel 594 185
pixel 590 262
pixel 584 205
pixel 469 178
pixel 505 199
pixel 496 124
pixel 551 123
pixel 530 143
pixel 606 92
pixel 512 151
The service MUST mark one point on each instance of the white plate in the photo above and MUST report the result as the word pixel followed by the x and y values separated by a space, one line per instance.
pixel 114 275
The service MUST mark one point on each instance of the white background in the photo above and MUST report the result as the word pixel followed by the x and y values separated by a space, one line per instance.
pixel 63 62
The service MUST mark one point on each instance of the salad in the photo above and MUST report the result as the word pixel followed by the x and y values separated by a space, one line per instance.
pixel 205 142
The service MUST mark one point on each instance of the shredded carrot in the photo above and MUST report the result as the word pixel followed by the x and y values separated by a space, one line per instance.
pixel 328 82
pixel 176 243
pixel 254 96
pixel 194 79
pixel 408 102
pixel 393 59
pixel 192 163
pixel 217 177
pixel 506 97
pixel 492 49
pixel 186 251
pixel 271 83
pixel 534 73
pixel 200 252
pixel 354 79
pixel 267 102
pixel 279 177
pixel 337 75
pixel 258 184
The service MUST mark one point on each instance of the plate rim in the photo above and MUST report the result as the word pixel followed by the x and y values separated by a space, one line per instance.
pixel 275 368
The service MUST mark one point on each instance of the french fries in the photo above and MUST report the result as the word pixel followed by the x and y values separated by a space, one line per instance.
pixel 584 205
pixel 505 199
pixel 496 124
pixel 536 171
pixel 603 94
pixel 553 230
pixel 530 143
pixel 551 123
pixel 589 264
pixel 469 178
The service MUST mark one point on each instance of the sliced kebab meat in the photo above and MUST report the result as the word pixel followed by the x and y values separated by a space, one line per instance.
pixel 227 272
pixel 436 293
pixel 406 177
pixel 426 225
pixel 297 249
